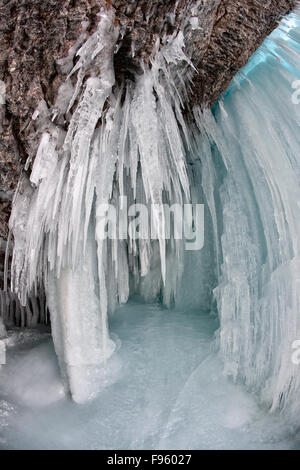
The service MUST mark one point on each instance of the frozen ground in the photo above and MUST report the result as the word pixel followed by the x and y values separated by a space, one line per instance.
pixel 166 390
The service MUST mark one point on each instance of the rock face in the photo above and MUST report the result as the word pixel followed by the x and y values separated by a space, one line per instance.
pixel 37 36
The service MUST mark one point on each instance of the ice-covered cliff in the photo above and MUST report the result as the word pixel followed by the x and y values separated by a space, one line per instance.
pixel 103 142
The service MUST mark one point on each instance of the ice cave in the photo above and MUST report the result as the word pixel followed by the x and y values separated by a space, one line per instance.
pixel 115 338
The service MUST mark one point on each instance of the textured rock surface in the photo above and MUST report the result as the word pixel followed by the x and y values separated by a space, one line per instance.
pixel 220 36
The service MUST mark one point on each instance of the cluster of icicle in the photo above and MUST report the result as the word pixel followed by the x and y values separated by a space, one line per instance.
pixel 123 141
pixel 15 314
pixel 132 141
pixel 250 153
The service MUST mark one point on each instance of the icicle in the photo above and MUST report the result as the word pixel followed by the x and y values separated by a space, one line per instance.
pixel 6 261
pixel 114 147
pixel 254 172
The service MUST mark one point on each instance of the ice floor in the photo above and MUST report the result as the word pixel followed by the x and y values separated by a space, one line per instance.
pixel 165 390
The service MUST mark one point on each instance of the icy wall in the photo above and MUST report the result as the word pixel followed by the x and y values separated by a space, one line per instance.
pixel 249 148
pixel 241 160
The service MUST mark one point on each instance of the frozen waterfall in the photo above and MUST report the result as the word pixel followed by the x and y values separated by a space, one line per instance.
pixel 249 147
pixel 133 143
pixel 122 142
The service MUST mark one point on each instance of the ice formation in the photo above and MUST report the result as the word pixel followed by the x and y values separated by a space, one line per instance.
pixel 249 147
pixel 169 393
pixel 132 140
pixel 128 141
